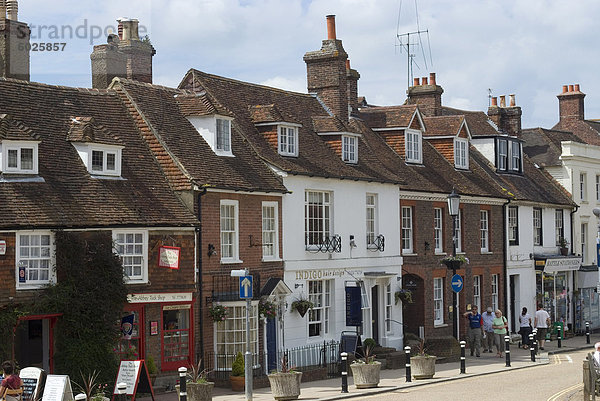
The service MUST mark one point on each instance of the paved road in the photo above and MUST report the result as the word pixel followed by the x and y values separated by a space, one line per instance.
pixel 560 380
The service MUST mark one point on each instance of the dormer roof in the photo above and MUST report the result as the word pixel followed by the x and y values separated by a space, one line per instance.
pixel 405 116
pixel 198 105
pixel 11 129
pixel 446 126
pixel 86 129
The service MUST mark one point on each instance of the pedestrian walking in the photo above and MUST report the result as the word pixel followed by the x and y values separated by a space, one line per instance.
pixel 475 330
pixel 500 326
pixel 11 388
pixel 488 330
pixel 525 327
pixel 542 322
pixel 597 356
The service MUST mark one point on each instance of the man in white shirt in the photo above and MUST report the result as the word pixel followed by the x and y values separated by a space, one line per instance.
pixel 542 321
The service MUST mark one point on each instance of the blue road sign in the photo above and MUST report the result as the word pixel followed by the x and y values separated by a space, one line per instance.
pixel 457 283
pixel 245 287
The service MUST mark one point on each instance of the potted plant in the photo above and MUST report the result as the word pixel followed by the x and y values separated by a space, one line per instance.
pixel 454 262
pixel 152 369
pixel 403 295
pixel 218 312
pixel 422 364
pixel 564 246
pixel 198 387
pixel 267 309
pixel 285 384
pixel 366 370
pixel 238 371
pixel 302 305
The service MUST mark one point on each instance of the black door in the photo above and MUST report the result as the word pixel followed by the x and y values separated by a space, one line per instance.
pixel 272 344
pixel 512 303
pixel 375 313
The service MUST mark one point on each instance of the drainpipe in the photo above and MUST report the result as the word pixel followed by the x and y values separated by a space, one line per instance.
pixel 505 254
pixel 199 273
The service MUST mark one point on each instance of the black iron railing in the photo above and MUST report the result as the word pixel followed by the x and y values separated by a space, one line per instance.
pixel 325 244
pixel 376 243
pixel 226 288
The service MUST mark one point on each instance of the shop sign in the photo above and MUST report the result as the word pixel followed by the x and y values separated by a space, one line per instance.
pixel 353 307
pixel 562 264
pixel 318 274
pixel 159 297
pixel 168 256
pixel 2 247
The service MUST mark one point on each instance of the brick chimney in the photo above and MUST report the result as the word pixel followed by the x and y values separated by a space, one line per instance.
pixel 326 73
pixel 508 119
pixel 352 77
pixel 125 55
pixel 14 42
pixel 570 103
pixel 428 96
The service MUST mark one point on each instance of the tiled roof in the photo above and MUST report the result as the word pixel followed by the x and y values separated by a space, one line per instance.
pixel 195 105
pixel 479 123
pixel 323 124
pixel 443 125
pixel 85 129
pixel 543 145
pixel 388 116
pixel 587 130
pixel 66 196
pixel 12 129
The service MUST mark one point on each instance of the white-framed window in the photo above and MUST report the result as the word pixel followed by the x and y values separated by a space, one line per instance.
pixel 407 229
pixel 583 186
pixel 371 219
pixel 559 230
pixel 598 188
pixel 584 227
pixel 104 160
pixel 513 225
pixel 515 156
pixel 477 292
pixel 223 135
pixel 132 248
pixel 438 231
pixel 349 149
pixel 461 153
pixel 388 308
pixel 270 230
pixel 229 231
pixel 287 138
pixel 537 226
pixel 317 217
pixel 413 147
pixel 319 293
pixel 20 157
pixel 484 230
pixel 458 231
pixel 502 154
pixel 438 300
pixel 495 291
pixel 34 259
pixel 230 334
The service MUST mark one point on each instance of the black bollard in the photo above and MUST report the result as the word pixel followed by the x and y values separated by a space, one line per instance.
pixel 559 336
pixel 531 348
pixel 463 369
pixel 344 372
pixel 407 363
pixel 587 332
pixel 535 344
pixel 507 350
pixel 182 384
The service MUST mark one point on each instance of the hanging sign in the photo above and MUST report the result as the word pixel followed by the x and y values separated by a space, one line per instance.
pixel 353 307
pixel 58 388
pixel 168 256
pixel 135 375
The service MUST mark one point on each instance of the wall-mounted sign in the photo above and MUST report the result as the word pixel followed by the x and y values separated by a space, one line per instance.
pixel 168 256
pixel 159 297
pixel 22 272
pixel 2 247
pixel 154 328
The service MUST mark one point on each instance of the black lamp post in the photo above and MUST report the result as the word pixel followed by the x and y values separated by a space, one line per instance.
pixel 453 206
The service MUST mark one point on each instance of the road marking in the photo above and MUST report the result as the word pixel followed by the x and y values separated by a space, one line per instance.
pixel 555 360
pixel 569 358
pixel 557 396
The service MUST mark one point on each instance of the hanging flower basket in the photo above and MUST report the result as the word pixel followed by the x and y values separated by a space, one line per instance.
pixel 267 309
pixel 454 262
pixel 218 312
pixel 302 306
pixel 403 295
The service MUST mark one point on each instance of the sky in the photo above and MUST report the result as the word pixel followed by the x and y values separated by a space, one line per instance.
pixel 529 48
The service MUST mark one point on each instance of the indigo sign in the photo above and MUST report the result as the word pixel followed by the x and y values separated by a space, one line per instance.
pixel 353 307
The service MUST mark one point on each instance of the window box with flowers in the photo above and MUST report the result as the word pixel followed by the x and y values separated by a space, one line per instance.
pixel 218 312
pixel 454 262
pixel 267 309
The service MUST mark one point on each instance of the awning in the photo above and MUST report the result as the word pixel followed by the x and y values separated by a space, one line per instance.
pixel 557 263
pixel 376 275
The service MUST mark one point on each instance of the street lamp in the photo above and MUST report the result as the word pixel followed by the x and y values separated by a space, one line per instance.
pixel 248 356
pixel 453 207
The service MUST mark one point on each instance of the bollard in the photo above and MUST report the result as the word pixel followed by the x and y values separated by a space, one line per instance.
pixel 559 336
pixel 531 348
pixel 507 350
pixel 463 344
pixel 182 384
pixel 122 391
pixel 587 332
pixel 344 372
pixel 535 344
pixel 407 363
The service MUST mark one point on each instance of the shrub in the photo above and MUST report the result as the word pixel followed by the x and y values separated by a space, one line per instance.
pixel 238 369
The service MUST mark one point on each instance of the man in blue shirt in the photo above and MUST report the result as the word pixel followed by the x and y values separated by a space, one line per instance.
pixel 475 330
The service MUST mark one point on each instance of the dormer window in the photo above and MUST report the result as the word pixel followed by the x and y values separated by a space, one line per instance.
pixel 350 149
pixel 104 161
pixel 19 157
pixel 509 156
pixel 287 139
pixel 223 135
pixel 216 131
pixel 413 146
pixel 515 159
pixel 461 153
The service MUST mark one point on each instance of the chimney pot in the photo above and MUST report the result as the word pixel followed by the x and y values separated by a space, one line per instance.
pixel 570 88
pixel 565 88
pixel 2 9
pixel 576 87
pixel 12 8
pixel 331 27
pixel 513 103
pixel 424 81
pixel 415 81
pixel 347 63
pixel 432 78
pixel 495 101
pixel 503 101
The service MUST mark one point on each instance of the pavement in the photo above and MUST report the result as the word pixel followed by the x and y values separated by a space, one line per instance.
pixel 395 379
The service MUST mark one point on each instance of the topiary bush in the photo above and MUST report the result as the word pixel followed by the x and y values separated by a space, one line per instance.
pixel 237 368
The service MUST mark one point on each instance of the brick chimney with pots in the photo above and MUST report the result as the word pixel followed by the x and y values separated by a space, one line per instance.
pixel 570 103
pixel 508 119
pixel 352 77
pixel 326 73
pixel 14 42
pixel 124 55
pixel 428 95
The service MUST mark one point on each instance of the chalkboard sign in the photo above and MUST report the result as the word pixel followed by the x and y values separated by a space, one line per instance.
pixel 135 375
pixel 33 383
pixel 58 388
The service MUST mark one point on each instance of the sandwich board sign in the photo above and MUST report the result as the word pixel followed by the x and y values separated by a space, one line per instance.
pixel 58 388
pixel 135 375
pixel 33 383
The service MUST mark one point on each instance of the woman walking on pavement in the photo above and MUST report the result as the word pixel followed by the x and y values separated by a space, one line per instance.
pixel 525 328
pixel 500 326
